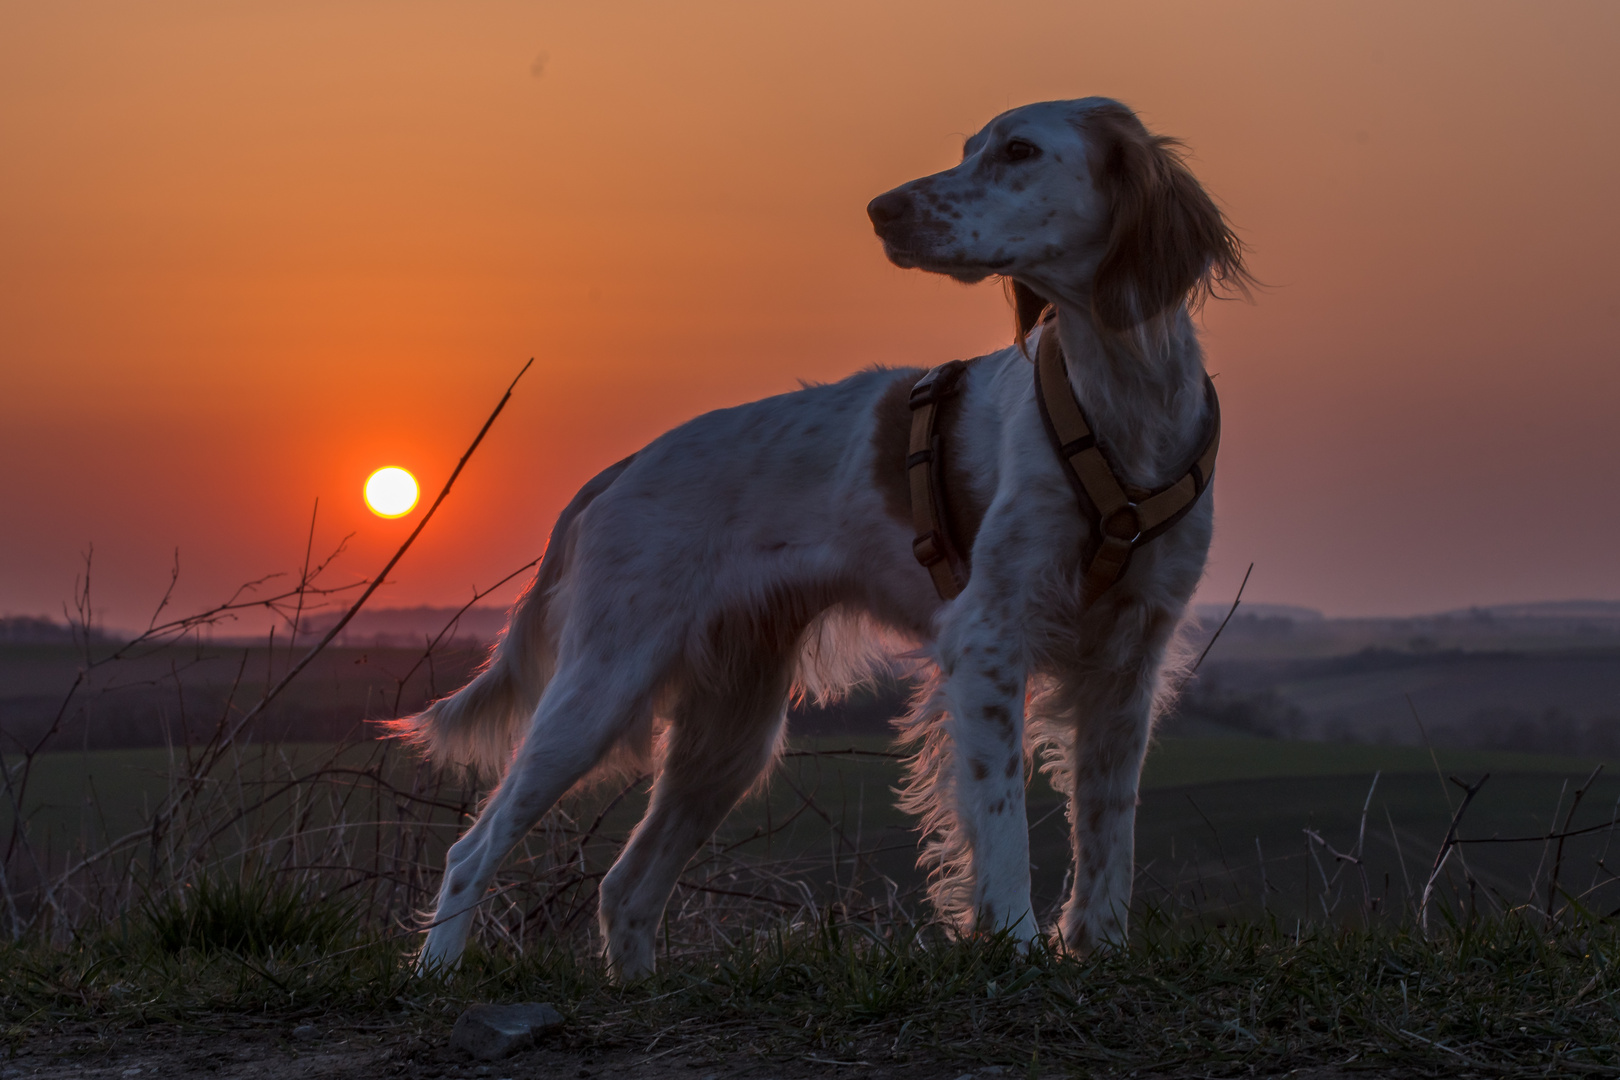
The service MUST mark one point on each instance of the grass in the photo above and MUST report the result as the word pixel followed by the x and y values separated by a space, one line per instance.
pixel 95 795
pixel 249 913
pixel 1220 831
pixel 1494 997
pixel 1229 972
pixel 109 792
pixel 1183 762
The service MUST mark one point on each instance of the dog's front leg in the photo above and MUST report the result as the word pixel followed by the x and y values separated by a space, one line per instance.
pixel 985 689
pixel 1114 697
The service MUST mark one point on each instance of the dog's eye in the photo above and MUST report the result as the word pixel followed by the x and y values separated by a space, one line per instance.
pixel 1019 150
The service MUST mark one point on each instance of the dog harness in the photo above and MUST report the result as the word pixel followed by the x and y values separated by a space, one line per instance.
pixel 925 470
pixel 1123 516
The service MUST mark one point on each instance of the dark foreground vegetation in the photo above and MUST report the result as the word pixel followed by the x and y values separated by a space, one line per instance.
pixel 1481 997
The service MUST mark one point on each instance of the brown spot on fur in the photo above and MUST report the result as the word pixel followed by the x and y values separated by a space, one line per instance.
pixel 996 807
pixel 1013 766
pixel 891 439
pixel 1000 714
pixel 964 510
pixel 980 769
pixel 1028 306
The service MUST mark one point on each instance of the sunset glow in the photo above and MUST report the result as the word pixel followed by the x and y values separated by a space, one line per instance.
pixel 302 236
pixel 391 492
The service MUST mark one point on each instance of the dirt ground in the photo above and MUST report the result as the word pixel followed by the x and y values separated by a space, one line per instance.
pixel 162 1052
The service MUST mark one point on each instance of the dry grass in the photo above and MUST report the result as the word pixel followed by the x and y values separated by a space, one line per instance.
pixel 1494 998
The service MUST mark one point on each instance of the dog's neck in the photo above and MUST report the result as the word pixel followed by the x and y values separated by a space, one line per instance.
pixel 1143 393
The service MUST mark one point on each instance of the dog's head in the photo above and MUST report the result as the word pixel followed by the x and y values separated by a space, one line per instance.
pixel 1073 201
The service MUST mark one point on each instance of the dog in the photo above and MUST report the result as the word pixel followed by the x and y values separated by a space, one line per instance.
pixel 764 552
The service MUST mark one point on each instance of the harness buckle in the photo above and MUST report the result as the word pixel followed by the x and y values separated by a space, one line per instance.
pixel 927 549
pixel 1130 518
pixel 938 384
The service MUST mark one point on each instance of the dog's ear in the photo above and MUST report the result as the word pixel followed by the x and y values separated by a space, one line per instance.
pixel 1028 306
pixel 1166 240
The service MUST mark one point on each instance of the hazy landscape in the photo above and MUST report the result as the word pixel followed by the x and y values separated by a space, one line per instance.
pixel 1531 677
pixel 1541 678
pixel 1281 730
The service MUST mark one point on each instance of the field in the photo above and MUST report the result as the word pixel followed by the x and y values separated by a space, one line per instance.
pixel 1539 678
pixel 213 896
pixel 173 693
pixel 1310 981
pixel 1214 813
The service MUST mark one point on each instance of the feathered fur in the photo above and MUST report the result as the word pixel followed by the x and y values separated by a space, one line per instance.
pixel 476 727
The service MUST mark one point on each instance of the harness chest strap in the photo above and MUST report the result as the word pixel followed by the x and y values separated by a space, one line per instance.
pixel 1123 517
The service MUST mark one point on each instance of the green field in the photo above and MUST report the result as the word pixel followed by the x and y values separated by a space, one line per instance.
pixel 1206 802
pixel 1212 811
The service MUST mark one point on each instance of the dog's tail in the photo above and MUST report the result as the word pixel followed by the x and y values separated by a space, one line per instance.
pixel 478 725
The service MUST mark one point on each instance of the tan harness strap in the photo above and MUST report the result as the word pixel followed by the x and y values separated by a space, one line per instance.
pixel 1123 518
pixel 933 547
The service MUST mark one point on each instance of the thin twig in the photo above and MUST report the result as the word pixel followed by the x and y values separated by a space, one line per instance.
pixel 376 583
pixel 1445 848
pixel 1558 860
pixel 1236 600
pixel 225 738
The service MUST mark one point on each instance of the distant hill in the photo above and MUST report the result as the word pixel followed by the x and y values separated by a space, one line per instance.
pixel 1217 612
pixel 1550 609
pixel 40 630
pixel 397 627
pixel 1523 676
pixel 1540 676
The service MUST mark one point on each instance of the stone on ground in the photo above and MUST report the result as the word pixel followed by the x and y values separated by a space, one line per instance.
pixel 491 1032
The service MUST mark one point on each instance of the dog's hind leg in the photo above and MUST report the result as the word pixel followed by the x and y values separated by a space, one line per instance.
pixel 585 711
pixel 720 741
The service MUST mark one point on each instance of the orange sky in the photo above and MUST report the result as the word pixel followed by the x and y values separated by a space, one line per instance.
pixel 249 251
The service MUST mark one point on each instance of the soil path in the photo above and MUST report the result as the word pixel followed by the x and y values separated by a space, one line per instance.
pixel 162 1052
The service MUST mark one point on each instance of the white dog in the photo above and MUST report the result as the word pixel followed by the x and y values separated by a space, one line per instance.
pixel 767 550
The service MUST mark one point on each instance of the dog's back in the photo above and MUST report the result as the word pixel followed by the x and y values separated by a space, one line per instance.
pixel 764 512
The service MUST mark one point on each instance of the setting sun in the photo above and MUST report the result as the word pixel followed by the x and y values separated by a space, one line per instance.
pixel 391 492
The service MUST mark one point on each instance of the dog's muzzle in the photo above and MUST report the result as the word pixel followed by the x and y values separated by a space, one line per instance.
pixel 902 226
pixel 890 212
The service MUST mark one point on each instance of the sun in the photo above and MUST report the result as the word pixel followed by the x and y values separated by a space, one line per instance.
pixel 391 492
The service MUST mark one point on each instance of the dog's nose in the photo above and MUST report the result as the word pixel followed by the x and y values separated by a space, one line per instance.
pixel 888 208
